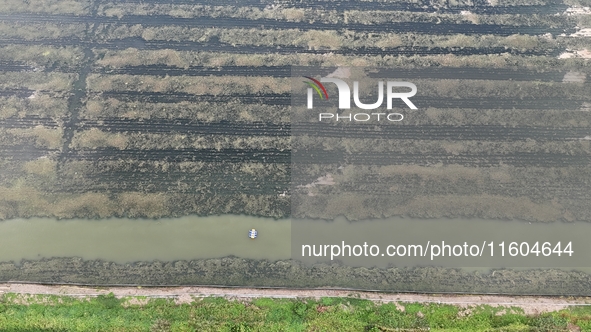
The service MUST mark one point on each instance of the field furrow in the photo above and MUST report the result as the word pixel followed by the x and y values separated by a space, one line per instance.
pixel 190 106
pixel 419 6
pixel 399 27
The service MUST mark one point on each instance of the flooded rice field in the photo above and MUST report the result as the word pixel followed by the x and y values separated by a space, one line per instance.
pixel 140 141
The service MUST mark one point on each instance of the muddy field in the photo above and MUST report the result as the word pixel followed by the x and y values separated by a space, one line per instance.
pixel 252 273
pixel 184 100
pixel 106 99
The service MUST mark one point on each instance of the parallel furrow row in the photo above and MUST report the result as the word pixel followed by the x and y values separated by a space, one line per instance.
pixel 410 132
pixel 29 122
pixel 244 49
pixel 286 99
pixel 488 74
pixel 550 9
pixel 222 22
pixel 521 159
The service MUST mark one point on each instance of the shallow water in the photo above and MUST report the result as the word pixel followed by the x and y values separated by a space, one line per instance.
pixel 123 240
pixel 453 232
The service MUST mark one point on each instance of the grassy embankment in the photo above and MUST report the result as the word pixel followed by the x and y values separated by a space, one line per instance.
pixel 107 313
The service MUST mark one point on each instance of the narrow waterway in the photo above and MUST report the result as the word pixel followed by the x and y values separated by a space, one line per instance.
pixel 123 240
pixel 476 244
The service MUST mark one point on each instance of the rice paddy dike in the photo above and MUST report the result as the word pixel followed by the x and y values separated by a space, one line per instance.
pixel 159 109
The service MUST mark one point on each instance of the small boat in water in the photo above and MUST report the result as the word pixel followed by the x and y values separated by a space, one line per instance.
pixel 253 234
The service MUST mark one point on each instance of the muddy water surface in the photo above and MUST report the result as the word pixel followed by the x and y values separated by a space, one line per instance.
pixel 128 240
pixel 123 240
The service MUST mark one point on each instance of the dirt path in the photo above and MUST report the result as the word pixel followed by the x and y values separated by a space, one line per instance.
pixel 530 304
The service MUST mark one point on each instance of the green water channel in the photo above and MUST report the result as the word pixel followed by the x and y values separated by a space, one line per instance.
pixel 123 240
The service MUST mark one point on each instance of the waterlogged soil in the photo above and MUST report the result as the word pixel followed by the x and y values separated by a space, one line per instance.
pixel 408 132
pixel 232 271
pixel 140 44
pixel 285 71
pixel 416 27
pixel 553 8
pixel 521 153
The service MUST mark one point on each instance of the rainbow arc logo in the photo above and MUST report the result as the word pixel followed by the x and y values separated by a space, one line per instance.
pixel 316 85
pixel 344 98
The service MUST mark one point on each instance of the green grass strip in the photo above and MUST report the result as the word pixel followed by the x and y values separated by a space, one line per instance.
pixel 108 313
